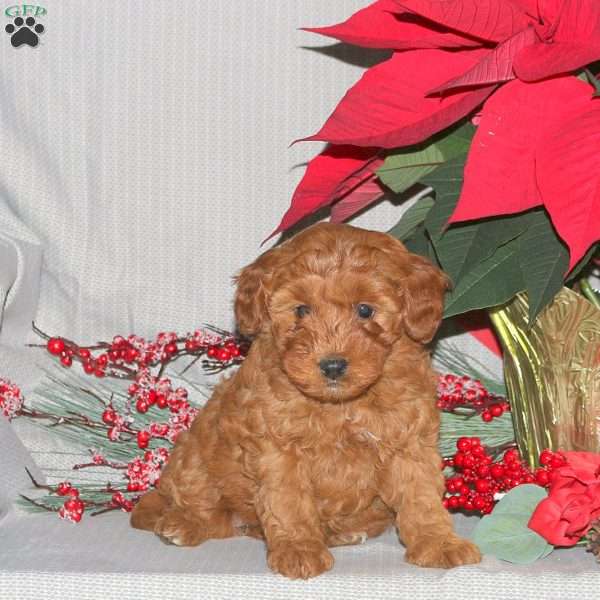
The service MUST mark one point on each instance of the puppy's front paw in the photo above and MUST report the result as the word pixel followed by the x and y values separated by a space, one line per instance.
pixel 300 560
pixel 443 554
pixel 175 528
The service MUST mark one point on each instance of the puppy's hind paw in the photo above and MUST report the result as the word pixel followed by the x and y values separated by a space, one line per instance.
pixel 300 560
pixel 443 554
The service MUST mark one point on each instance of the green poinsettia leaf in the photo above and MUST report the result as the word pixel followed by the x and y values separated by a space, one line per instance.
pixel 582 263
pixel 544 261
pixel 409 165
pixel 413 217
pixel 419 243
pixel 493 281
pixel 461 247
pixel 400 177
pixel 447 182
pixel 505 534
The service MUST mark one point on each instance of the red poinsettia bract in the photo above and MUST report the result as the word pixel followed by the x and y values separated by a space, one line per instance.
pixel 538 137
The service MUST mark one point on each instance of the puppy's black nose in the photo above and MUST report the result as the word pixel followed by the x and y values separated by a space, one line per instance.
pixel 333 368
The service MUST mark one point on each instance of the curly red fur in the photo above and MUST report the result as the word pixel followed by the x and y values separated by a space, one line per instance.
pixel 283 452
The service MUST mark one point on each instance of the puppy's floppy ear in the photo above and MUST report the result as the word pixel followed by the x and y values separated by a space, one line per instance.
pixel 424 289
pixel 253 289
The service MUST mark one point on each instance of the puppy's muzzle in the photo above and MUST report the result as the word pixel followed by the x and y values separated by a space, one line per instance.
pixel 334 367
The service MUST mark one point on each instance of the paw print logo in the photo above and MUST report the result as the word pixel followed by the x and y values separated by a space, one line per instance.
pixel 24 32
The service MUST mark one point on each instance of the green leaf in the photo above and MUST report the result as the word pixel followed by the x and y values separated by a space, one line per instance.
pixel 409 165
pixel 521 500
pixel 493 281
pixel 414 216
pixel 507 537
pixel 544 260
pixel 447 182
pixel 582 263
pixel 419 243
pixel 462 246
pixel 505 534
pixel 399 177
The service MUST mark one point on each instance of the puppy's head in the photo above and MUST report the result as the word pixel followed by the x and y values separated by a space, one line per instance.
pixel 335 300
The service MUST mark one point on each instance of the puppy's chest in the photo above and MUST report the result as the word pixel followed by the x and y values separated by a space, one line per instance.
pixel 347 455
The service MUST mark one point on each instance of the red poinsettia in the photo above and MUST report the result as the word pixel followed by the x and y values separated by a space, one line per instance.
pixel 537 142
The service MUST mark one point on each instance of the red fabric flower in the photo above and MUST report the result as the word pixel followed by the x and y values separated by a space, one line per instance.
pixel 539 139
pixel 573 503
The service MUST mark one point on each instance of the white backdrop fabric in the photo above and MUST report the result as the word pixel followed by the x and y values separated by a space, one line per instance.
pixel 144 156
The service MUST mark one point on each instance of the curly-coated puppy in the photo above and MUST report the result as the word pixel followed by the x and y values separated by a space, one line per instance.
pixel 328 432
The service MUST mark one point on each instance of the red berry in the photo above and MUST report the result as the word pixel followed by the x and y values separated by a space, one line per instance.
pixel 463 444
pixel 102 360
pixel 478 502
pixel 131 354
pixel 542 477
pixel 89 367
pixel 84 353
pixel 483 485
pixel 464 490
pixel 141 406
pixel 63 488
pixel 109 416
pixel 74 504
pixel 478 451
pixel 459 459
pixel 212 351
pixel 99 372
pixel 190 345
pixel 469 461
pixel 223 354
pixel 483 471
pixel 546 457
pixel 497 471
pixel 66 360
pixel 143 439
pixel 55 346
pixel 453 502
pixel 496 410
pixel 486 415
pixel 511 456
pixel 161 401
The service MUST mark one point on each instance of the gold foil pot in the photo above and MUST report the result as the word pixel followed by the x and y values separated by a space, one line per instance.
pixel 552 373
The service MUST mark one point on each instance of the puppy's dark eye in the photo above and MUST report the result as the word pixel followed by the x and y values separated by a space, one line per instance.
pixel 364 311
pixel 302 310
